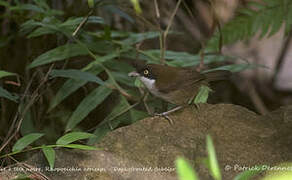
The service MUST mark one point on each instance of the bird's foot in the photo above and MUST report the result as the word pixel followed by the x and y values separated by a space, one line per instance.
pixel 164 115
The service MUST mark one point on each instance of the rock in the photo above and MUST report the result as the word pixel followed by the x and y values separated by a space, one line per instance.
pixel 148 148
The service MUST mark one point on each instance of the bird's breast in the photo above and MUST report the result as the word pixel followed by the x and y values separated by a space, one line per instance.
pixel 151 86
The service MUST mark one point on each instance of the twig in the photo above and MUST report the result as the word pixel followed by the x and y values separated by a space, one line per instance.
pixel 188 10
pixel 165 33
pixel 82 23
pixel 35 95
pixel 12 126
pixel 220 37
pixel 156 9
pixel 171 19
pixel 161 37
pixel 39 175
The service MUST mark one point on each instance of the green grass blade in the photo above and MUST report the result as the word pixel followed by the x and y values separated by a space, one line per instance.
pixel 76 74
pixel 184 170
pixel 246 175
pixel 90 102
pixel 212 159
pixel 90 3
pixel 58 54
pixel 112 120
pixel 71 85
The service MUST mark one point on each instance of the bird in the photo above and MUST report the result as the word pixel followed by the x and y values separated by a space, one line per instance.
pixel 176 85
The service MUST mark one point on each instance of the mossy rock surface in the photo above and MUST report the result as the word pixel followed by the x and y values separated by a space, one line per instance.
pixel 148 148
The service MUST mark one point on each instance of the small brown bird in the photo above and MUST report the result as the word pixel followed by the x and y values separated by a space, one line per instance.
pixel 175 84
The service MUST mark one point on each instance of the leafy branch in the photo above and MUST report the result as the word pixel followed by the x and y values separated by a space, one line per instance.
pixel 267 17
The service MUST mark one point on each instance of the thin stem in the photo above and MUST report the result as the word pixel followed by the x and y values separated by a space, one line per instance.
pixel 165 33
pixel 171 19
pixel 26 108
pixel 82 23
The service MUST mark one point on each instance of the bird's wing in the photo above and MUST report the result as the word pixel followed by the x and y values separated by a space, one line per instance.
pixel 181 80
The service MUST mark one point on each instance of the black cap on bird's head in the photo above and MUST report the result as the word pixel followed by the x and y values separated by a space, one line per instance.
pixel 142 70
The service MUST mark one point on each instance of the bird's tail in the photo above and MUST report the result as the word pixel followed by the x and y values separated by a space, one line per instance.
pixel 217 75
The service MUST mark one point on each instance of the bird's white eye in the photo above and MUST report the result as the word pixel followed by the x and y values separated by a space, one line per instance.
pixel 145 72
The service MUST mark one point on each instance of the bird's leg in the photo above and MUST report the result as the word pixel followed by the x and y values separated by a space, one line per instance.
pixel 165 114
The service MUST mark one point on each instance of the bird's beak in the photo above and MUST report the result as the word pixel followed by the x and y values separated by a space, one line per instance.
pixel 133 74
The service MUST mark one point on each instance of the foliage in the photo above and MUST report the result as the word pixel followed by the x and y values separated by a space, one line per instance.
pixel 106 72
pixel 266 16
pixel 202 95
pixel 186 172
pixel 48 150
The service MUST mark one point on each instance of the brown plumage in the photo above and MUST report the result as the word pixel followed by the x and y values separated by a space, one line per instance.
pixel 174 84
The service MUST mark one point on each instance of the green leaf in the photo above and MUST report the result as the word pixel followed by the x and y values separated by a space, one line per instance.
pixel 71 85
pixel 123 78
pixel 138 83
pixel 257 5
pixel 116 116
pixel 236 67
pixel 4 3
pixel 118 11
pixel 90 3
pixel 137 115
pixel 184 170
pixel 5 73
pixel 29 25
pixel 138 37
pixel 136 6
pixel 5 94
pixel 27 125
pixel 25 141
pixel 77 20
pixel 246 175
pixel 80 146
pixel 212 160
pixel 202 95
pixel 50 155
pixel 122 113
pixel 29 7
pixel 74 136
pixel 41 31
pixel 260 17
pixel 183 59
pixel 58 54
pixel 90 102
pixel 42 3
pixel 76 74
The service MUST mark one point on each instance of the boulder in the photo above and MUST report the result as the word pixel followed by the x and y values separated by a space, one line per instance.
pixel 148 148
